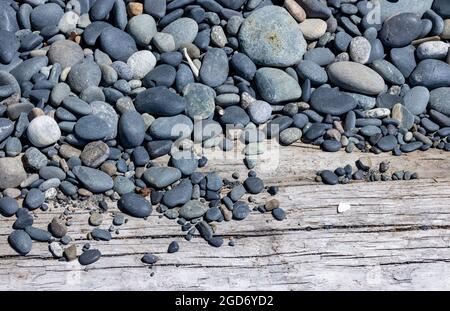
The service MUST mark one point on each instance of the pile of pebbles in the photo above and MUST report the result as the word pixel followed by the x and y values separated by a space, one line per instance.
pixel 365 171
pixel 92 91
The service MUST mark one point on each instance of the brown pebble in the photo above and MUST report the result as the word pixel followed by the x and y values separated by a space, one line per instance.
pixel 272 204
pixel 34 113
pixel 58 228
pixel 84 192
pixel 227 214
pixel 70 253
pixel 135 8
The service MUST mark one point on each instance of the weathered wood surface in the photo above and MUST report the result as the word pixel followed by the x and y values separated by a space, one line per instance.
pixel 396 236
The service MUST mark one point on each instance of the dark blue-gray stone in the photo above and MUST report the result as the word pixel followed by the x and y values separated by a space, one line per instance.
pixel 404 59
pixel 307 69
pixel 158 148
pixel 161 177
pixel 270 37
pixel 235 115
pixel 76 105
pixel 25 70
pixel 329 178
pixel 387 143
pixel 100 9
pixel 131 129
pixel 185 161
pixel 254 185
pixel 34 199
pixel 416 100
pixel 161 75
pixel 93 31
pixel 134 205
pixel 6 128
pixel 123 185
pixel 442 7
pixel 431 73
pixel 331 145
pixel 84 75
pixel 8 206
pixel 9 47
pixel 91 127
pixel 8 18
pixel 20 241
pixel 92 179
pixel 243 66
pixel 89 257
pixel 193 209
pixel 388 72
pixel 108 42
pixel 156 8
pixel 440 100
pixel 101 234
pixel 38 234
pixel 46 15
pixel 400 30
pixel 276 86
pixel 240 210
pixel 321 56
pixel 214 69
pixel 178 195
pixel 183 30
pixel 171 127
pixel 160 101
pixel 330 101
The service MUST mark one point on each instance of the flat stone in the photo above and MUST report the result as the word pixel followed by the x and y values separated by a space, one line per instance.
pixel 214 69
pixel 92 179
pixel 160 101
pixel 276 86
pixel 431 73
pixel 243 66
pixel 388 72
pixel 313 28
pixel 106 112
pixel 178 195
pixel 193 209
pixel 84 75
pixel 91 128
pixel 171 127
pixel 10 46
pixel 161 177
pixel 131 129
pixel 416 99
pixel 330 101
pixel 123 185
pixel 432 49
pixel 34 199
pixel 142 28
pixel 20 241
pixel 108 41
pixel 8 206
pixel 6 128
pixel 440 100
pixel 404 59
pixel 259 111
pixel 26 69
pixel 290 135
pixel 57 228
pixel 399 30
pixel 356 78
pixel 89 257
pixel 271 37
pixel 402 114
pixel 13 172
pixel 307 69
pixel 45 15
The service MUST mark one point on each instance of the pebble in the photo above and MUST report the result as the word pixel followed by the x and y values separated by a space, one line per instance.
pixel 108 42
pixel 56 249
pixel 13 172
pixel 131 129
pixel 92 179
pixel 43 131
pixel 399 30
pixel 290 136
pixel 8 206
pixel 142 28
pixel 270 37
pixel 141 63
pixel 183 30
pixel 94 154
pixel 134 205
pixel 214 69
pixel 416 100
pixel 20 241
pixel 259 111
pixel 173 247
pixel 360 50
pixel 276 86
pixel 329 178
pixel 279 214
pixel 160 101
pixel 200 103
pixel 193 209
pixel 240 210
pixel 57 228
pixel 161 177
pixel 149 259
pixel 66 53
pixel 332 101
pixel 89 257
pixel 313 28
pixel 431 73
pixel 440 101
pixel 84 75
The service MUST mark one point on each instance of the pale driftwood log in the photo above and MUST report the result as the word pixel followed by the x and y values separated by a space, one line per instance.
pixel 396 236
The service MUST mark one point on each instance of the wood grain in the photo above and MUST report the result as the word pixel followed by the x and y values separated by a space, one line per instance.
pixel 396 236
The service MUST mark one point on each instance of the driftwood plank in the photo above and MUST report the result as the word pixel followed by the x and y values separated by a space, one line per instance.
pixel 396 236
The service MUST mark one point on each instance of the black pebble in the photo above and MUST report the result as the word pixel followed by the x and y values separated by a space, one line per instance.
pixel 173 247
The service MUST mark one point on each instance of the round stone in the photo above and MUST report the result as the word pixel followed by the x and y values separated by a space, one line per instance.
pixel 13 172
pixel 360 50
pixel 91 127
pixel 440 100
pixel 89 257
pixel 108 42
pixel 240 210
pixel 178 195
pixel 399 30
pixel 416 99
pixel 329 178
pixel 8 206
pixel 20 241
pixel 66 53
pixel 234 115
pixel 183 30
pixel 254 185
pixel 200 102
pixel 46 15
pixel 43 131
pixel 34 199
pixel 271 37
pixel 106 112
pixel 171 127
pixel 84 75
pixel 402 114
pixel 276 86
pixel 9 47
pixel 94 154
pixel 141 63
pixel 134 205
pixel 387 143
pixel 290 135
pixel 307 69
pixel 259 111
pixel 142 28
pixel 214 69
pixel 161 177
pixel 160 101
pixel 431 73
pixel 356 77
pixel 131 129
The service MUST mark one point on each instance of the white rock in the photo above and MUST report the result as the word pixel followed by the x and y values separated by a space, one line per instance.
pixel 164 42
pixel 432 49
pixel 56 249
pixel 259 111
pixel 141 63
pixel 50 194
pixel 343 207
pixel 68 22
pixel 43 131
pixel 360 49
pixel 313 28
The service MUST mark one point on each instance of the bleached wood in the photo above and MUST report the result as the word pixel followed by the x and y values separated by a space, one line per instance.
pixel 396 236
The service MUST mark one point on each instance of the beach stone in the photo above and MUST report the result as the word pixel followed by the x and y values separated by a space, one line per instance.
pixel 43 131
pixel 330 101
pixel 329 178
pixel 307 69
pixel 57 228
pixel 193 209
pixel 259 111
pixel 432 49
pixel 164 42
pixel 89 257
pixel 404 59
pixel 214 69
pixel 388 72
pixel 106 112
pixel 271 37
pixel 185 161
pixel 34 199
pixel 243 66
pixel 91 128
pixel 142 28
pixel 276 86
pixel 94 154
pixel 390 8
pixel 387 143
pixel 356 77
pixel 46 15
pixel 131 129
pixel 290 136
pixel 440 100
pixel 66 53
pixel 8 206
pixel 199 100
pixel 84 75
pixel 240 210
pixel 316 9
pixel 6 128
pixel 313 28
pixel 360 50
pixel 234 115
pixel 160 101
pixel 402 114
pixel 92 179
pixel 416 99
pixel 123 185
pixel 134 205
pixel 20 241
pixel 171 127
pixel 9 47
pixel 183 30
pixel 108 42
pixel 161 177
pixel 178 195
pixel 442 8
pixel 141 63
pixel 59 92
pixel 431 73
pixel 399 30
pixel 26 69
